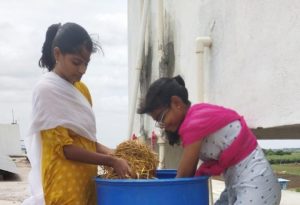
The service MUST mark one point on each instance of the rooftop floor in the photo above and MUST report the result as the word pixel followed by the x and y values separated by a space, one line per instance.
pixel 13 192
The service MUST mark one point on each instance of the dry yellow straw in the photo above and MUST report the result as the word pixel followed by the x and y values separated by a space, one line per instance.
pixel 140 157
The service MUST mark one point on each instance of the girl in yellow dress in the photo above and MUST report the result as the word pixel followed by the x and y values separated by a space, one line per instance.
pixel 61 145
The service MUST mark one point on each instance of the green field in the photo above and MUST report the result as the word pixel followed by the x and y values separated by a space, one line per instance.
pixel 293 157
pixel 286 165
pixel 293 169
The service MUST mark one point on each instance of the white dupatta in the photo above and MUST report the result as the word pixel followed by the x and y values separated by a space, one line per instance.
pixel 56 102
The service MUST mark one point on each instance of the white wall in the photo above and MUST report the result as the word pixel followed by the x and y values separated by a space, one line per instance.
pixel 10 139
pixel 253 64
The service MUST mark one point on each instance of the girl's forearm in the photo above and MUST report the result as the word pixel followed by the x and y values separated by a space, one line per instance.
pixel 79 154
pixel 189 160
pixel 103 149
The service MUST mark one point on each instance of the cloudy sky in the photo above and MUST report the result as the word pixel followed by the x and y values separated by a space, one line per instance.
pixel 23 26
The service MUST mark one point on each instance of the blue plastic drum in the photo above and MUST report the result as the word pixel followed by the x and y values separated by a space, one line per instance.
pixel 162 191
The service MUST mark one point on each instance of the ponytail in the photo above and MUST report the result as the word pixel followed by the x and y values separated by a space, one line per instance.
pixel 179 80
pixel 47 59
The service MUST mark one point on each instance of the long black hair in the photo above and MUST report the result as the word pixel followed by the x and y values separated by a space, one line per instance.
pixel 159 95
pixel 69 38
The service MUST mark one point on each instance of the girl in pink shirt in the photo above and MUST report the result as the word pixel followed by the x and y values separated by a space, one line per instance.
pixel 219 137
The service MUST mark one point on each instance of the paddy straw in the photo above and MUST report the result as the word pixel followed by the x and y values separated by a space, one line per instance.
pixel 140 157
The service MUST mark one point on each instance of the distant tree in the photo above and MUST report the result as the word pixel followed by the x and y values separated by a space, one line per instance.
pixel 281 152
pixel 269 152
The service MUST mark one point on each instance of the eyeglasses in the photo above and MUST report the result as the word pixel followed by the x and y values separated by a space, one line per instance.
pixel 160 123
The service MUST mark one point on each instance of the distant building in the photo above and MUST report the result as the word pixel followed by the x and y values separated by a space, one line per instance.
pixel 10 145
pixel 10 142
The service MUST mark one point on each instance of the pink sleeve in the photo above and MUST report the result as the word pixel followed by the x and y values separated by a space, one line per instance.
pixel 204 119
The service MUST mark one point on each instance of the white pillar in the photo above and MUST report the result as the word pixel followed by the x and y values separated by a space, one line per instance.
pixel 203 42
pixel 161 141
pixel 140 54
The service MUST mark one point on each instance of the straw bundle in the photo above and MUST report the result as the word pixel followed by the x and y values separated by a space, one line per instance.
pixel 142 160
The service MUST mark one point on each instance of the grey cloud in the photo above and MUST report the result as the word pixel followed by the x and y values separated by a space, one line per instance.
pixel 23 25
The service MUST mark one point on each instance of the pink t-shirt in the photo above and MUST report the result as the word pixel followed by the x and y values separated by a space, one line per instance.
pixel 204 119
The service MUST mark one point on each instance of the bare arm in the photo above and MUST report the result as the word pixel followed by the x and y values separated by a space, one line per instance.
pixel 103 149
pixel 189 160
pixel 75 153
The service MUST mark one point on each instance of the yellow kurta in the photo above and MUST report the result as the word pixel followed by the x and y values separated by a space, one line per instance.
pixel 67 182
